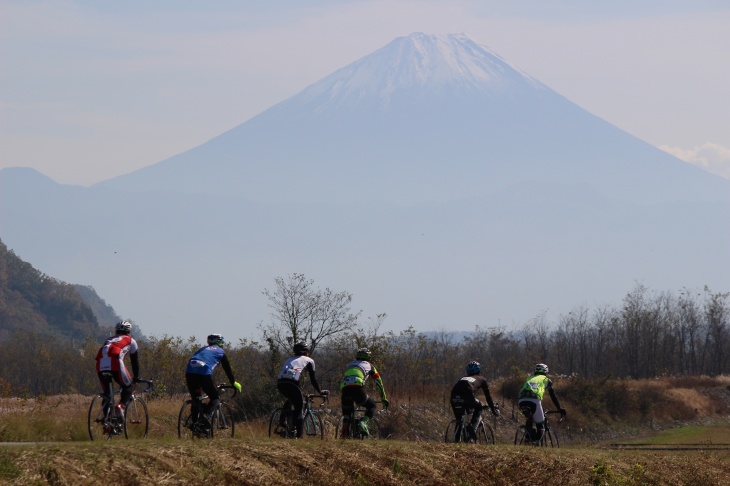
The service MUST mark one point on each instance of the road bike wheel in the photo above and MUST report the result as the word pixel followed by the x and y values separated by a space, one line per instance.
pixel 96 418
pixel 340 433
pixel 485 434
pixel 222 421
pixel 520 435
pixel 550 439
pixel 313 425
pixel 275 428
pixel 185 421
pixel 453 432
pixel 136 419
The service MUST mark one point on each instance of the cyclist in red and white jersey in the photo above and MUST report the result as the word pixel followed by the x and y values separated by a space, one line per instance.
pixel 110 362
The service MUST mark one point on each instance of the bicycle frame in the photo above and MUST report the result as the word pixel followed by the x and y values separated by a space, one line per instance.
pixel 313 423
pixel 456 430
pixel 134 422
pixel 205 425
pixel 353 430
pixel 549 436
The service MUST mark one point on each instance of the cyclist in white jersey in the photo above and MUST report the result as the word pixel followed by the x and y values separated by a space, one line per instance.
pixel 288 383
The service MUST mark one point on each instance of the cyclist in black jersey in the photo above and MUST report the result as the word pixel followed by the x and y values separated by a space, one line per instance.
pixel 464 396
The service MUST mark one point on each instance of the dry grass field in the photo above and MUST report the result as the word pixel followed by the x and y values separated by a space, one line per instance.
pixel 45 441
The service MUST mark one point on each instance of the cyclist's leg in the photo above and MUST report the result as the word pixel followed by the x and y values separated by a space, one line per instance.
pixel 362 399
pixel 124 379
pixel 528 407
pixel 295 399
pixel 209 388
pixel 473 403
pixel 347 401
pixel 105 379
pixel 194 382
pixel 539 418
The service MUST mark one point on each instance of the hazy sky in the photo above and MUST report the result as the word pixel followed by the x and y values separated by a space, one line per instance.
pixel 90 90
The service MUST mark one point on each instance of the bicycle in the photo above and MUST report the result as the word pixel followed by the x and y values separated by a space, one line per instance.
pixel 352 431
pixel 105 421
pixel 206 426
pixel 313 424
pixel 456 431
pixel 549 436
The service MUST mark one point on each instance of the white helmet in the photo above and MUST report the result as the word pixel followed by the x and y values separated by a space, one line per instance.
pixel 124 327
pixel 541 368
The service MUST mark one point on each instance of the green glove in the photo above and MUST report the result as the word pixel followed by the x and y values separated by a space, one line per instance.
pixel 237 386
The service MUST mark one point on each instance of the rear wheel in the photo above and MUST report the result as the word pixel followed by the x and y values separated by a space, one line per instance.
pixel 136 419
pixel 454 432
pixel 185 421
pixel 96 418
pixel 277 426
pixel 340 432
pixel 222 421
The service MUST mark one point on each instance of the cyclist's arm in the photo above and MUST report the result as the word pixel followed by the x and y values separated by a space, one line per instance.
pixel 313 378
pixel 378 383
pixel 488 396
pixel 227 368
pixel 553 396
pixel 134 358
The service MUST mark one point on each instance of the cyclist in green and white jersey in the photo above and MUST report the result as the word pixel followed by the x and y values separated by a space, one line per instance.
pixel 352 389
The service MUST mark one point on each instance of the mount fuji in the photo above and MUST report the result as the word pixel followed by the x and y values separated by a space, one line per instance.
pixel 426 117
pixel 431 179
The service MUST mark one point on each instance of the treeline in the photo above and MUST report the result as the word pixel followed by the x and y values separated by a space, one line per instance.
pixel 649 335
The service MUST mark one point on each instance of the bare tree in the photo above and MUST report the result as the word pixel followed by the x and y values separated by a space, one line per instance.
pixel 302 313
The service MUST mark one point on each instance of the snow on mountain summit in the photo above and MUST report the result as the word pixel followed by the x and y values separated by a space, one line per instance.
pixel 419 61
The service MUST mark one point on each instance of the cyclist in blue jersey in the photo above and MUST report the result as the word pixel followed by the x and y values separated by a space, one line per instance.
pixel 199 375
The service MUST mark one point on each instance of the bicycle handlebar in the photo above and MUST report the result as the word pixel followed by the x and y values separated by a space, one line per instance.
pixel 548 412
pixel 224 386
pixel 150 384
pixel 312 396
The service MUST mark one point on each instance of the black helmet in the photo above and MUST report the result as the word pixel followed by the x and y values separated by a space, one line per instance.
pixel 301 348
pixel 363 354
pixel 215 340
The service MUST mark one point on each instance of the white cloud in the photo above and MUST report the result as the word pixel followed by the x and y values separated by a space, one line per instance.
pixel 712 157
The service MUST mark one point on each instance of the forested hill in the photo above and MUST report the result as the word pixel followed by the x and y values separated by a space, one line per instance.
pixel 33 302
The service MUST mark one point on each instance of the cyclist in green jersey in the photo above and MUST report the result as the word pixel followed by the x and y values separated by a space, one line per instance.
pixel 530 400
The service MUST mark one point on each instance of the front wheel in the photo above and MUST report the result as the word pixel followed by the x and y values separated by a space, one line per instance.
pixel 222 421
pixel 185 421
pixel 136 419
pixel 313 425
pixel 550 439
pixel 485 434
